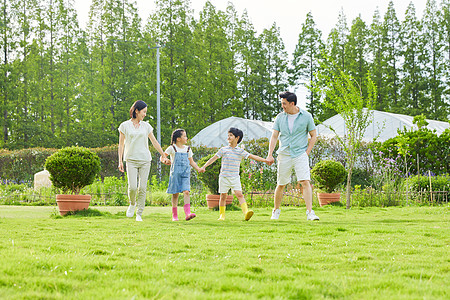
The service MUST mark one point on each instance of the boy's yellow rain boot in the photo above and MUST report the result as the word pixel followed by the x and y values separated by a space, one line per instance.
pixel 222 213
pixel 247 213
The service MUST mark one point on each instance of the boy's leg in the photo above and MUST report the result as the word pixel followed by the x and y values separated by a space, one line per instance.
pixel 187 206
pixel 222 206
pixel 247 213
pixel 175 207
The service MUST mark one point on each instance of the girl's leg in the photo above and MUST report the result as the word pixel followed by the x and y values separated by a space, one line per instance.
pixel 143 171
pixel 187 206
pixel 175 207
pixel 222 206
pixel 247 213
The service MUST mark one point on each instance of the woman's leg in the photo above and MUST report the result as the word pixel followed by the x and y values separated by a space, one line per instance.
pixel 132 173
pixel 143 171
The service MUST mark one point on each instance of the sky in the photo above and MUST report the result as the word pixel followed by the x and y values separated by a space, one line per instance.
pixel 289 15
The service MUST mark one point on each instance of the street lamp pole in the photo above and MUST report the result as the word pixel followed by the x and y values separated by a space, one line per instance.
pixel 158 104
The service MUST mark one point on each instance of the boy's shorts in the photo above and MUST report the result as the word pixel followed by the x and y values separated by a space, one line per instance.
pixel 286 164
pixel 227 183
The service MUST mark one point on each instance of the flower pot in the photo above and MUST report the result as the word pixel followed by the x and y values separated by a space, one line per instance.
pixel 327 198
pixel 68 203
pixel 213 200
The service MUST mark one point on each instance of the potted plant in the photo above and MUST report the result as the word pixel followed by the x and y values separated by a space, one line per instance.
pixel 71 169
pixel 211 180
pixel 327 176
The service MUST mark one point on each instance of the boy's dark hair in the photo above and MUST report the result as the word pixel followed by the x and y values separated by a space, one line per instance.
pixel 139 105
pixel 176 134
pixel 290 97
pixel 237 133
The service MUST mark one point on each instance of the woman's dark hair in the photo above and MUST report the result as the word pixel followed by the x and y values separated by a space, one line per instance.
pixel 139 105
pixel 290 97
pixel 176 134
pixel 237 133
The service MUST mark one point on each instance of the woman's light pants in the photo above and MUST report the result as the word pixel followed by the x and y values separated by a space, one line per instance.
pixel 137 172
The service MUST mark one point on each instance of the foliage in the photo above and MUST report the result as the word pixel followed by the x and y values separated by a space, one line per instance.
pixel 257 176
pixel 73 168
pixel 328 174
pixel 425 150
pixel 422 183
pixel 210 178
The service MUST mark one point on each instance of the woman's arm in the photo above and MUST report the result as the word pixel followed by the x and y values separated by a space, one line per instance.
pixel 120 151
pixel 158 148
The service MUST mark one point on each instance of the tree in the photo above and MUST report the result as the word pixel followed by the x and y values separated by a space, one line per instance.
pixel 306 64
pixel 376 60
pixel 356 110
pixel 357 51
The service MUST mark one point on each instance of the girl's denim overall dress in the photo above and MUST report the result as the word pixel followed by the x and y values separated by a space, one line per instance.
pixel 180 173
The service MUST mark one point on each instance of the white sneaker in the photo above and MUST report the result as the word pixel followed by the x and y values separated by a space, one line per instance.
pixel 311 216
pixel 138 218
pixel 276 214
pixel 130 211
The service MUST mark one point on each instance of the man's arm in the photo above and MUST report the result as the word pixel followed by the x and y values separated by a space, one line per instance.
pixel 272 144
pixel 312 141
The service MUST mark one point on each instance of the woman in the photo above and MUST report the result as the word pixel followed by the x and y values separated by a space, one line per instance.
pixel 133 145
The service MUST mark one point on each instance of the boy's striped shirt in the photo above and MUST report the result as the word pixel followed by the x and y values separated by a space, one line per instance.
pixel 231 160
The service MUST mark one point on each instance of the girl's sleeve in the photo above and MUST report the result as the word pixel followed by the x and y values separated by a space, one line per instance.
pixel 169 150
pixel 190 153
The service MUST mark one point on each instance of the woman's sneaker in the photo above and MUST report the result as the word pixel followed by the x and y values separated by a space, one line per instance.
pixel 311 216
pixel 130 211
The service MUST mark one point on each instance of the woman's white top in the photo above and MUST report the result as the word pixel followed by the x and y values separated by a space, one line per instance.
pixel 171 151
pixel 136 140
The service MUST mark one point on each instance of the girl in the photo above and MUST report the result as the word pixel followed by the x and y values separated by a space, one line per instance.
pixel 133 148
pixel 180 172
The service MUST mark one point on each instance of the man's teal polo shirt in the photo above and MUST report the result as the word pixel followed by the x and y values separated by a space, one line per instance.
pixel 295 142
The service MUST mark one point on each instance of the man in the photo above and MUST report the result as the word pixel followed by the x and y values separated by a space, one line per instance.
pixel 291 127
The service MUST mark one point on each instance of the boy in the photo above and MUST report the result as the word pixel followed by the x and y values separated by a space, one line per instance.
pixel 229 173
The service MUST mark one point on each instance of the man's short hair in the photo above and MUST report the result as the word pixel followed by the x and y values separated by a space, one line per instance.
pixel 290 97
pixel 237 133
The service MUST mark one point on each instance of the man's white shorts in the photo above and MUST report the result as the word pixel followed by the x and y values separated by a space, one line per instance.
pixel 299 164
pixel 227 183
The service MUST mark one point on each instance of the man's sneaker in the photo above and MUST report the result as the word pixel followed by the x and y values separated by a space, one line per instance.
pixel 248 215
pixel 311 216
pixel 138 218
pixel 276 214
pixel 130 211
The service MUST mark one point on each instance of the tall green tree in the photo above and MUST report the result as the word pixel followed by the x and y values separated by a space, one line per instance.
pixel 391 40
pixel 275 79
pixel 433 44
pixel 307 55
pixel 376 60
pixel 413 85
pixel 357 52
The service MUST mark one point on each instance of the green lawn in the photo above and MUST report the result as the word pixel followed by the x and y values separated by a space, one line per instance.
pixel 368 253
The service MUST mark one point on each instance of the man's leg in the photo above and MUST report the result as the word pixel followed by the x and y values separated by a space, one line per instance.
pixel 307 194
pixel 278 195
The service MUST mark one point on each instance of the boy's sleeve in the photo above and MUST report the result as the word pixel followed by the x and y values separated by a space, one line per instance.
pixel 220 152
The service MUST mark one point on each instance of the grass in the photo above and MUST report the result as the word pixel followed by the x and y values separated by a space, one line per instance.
pixel 367 253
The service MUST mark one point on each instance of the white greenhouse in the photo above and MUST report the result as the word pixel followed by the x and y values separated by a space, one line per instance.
pixel 215 135
pixel 384 122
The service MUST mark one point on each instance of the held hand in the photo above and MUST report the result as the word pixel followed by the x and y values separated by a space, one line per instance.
pixel 121 167
pixel 270 160
pixel 201 170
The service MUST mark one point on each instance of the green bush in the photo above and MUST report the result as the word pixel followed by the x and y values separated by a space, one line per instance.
pixel 328 174
pixel 211 177
pixel 422 183
pixel 73 168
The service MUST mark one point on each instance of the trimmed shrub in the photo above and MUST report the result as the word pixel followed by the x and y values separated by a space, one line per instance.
pixel 73 168
pixel 422 183
pixel 328 174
